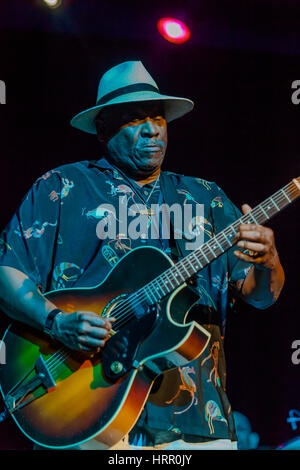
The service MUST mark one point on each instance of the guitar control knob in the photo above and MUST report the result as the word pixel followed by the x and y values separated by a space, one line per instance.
pixel 116 367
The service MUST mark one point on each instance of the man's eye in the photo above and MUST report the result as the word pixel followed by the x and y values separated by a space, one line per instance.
pixel 141 119
pixel 158 119
pixel 131 119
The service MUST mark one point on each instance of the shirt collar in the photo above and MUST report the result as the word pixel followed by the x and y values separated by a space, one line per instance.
pixel 103 163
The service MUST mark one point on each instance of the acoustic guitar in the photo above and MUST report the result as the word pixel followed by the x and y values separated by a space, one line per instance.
pixel 60 398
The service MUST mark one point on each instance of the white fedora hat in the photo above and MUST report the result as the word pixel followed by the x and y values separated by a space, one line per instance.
pixel 129 82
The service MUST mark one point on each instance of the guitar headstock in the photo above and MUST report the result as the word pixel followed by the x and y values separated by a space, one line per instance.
pixel 297 182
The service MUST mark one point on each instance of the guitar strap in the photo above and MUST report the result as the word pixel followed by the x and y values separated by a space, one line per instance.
pixel 170 197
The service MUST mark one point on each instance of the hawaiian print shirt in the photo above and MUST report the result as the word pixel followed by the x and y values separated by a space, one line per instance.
pixel 54 238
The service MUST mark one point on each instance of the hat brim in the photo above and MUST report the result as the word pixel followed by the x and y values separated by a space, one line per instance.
pixel 174 108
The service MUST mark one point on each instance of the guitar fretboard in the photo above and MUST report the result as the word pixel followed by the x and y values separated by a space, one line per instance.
pixel 184 269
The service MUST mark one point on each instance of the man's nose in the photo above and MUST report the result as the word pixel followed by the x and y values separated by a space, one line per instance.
pixel 149 128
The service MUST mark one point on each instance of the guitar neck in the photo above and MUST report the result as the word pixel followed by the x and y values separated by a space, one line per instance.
pixel 184 269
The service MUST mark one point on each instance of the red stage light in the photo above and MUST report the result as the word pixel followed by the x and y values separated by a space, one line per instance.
pixel 173 30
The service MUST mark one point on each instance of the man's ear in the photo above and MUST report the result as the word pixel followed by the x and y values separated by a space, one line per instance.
pixel 101 130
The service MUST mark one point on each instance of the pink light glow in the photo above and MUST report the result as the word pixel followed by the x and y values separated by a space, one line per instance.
pixel 173 30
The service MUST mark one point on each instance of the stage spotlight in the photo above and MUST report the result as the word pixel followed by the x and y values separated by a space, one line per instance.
pixel 173 30
pixel 52 3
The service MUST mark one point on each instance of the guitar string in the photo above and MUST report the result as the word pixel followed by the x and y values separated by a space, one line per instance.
pixel 279 198
pixel 58 359
pixel 61 355
pixel 54 356
pixel 138 298
pixel 185 263
pixel 48 361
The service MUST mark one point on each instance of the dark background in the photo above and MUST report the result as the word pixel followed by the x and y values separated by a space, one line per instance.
pixel 238 68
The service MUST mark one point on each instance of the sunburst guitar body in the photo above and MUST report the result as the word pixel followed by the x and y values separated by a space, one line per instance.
pixel 60 398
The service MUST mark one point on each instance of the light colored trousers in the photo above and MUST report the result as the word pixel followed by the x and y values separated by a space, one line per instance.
pixel 218 444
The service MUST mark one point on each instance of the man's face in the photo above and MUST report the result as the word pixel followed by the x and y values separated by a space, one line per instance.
pixel 137 138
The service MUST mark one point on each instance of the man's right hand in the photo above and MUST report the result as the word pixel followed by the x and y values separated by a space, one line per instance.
pixel 81 330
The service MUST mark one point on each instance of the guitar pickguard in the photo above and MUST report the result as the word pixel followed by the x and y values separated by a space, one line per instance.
pixel 118 355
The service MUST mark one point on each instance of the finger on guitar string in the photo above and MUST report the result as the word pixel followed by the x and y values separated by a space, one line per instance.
pixel 77 329
pixel 254 232
pixel 256 247
pixel 95 320
pixel 93 325
pixel 94 332
pixel 260 243
pixel 95 345
pixel 90 344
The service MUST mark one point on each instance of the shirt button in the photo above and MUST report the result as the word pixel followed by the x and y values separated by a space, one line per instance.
pixel 146 192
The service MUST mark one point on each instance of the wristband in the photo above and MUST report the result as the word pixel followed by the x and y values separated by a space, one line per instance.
pixel 50 319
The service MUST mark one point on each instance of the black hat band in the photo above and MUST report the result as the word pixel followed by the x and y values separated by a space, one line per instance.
pixel 127 89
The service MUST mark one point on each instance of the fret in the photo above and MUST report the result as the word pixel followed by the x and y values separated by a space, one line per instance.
pixel 197 260
pixel 274 203
pixel 228 241
pixel 175 267
pixel 221 248
pixel 265 213
pixel 214 254
pixel 177 274
pixel 155 289
pixel 233 229
pixel 252 216
pixel 174 278
pixel 269 207
pixel 285 194
pixel 226 238
pixel 149 296
pixel 163 288
pixel 182 264
pixel 203 254
pixel 188 259
pixel 168 281
pixel 151 288
pixel 159 286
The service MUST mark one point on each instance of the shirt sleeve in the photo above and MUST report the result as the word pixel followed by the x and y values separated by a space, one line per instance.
pixel 28 241
pixel 224 213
